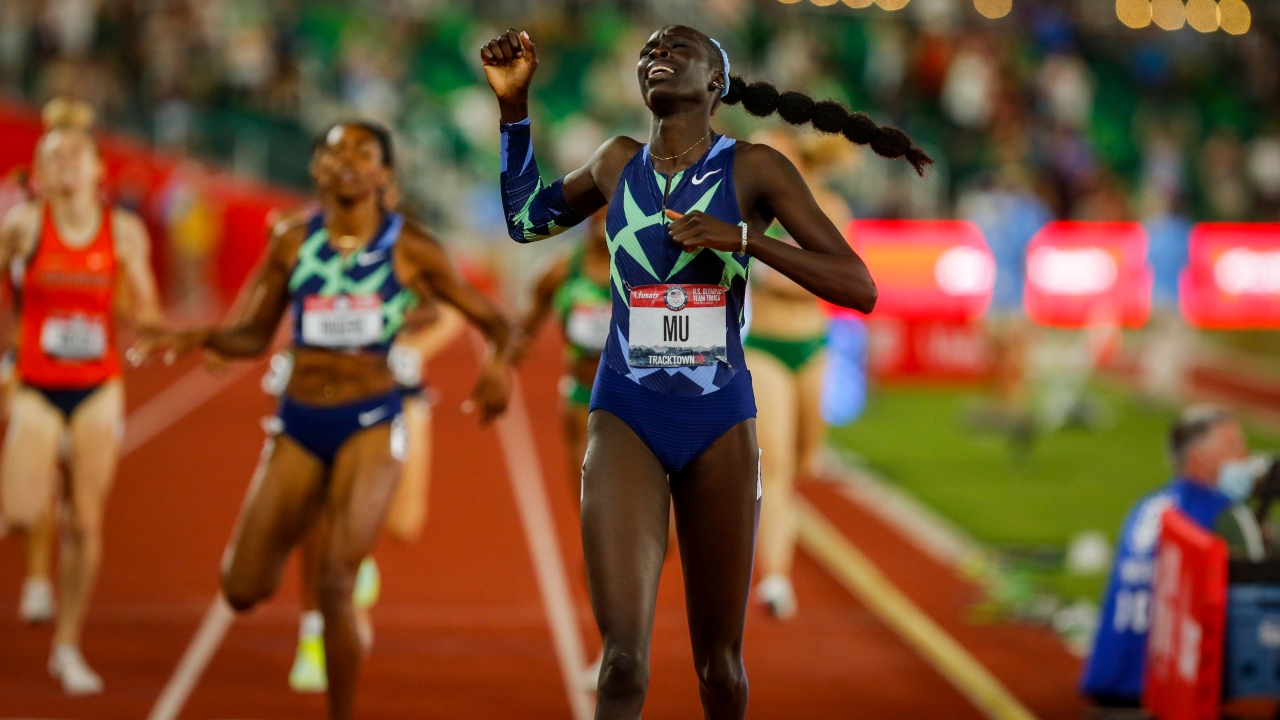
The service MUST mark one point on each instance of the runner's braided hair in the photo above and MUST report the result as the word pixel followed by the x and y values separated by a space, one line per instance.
pixel 762 99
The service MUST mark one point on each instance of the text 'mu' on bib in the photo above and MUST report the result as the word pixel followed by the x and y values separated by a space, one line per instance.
pixel 677 326
pixel 342 321
pixel 74 337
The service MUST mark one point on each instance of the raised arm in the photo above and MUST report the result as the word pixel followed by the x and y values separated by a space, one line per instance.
pixel 823 264
pixel 435 274
pixel 133 251
pixel 535 211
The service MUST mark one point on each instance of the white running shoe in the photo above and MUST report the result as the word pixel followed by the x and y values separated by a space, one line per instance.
pixel 37 604
pixel 308 673
pixel 68 665
pixel 590 677
pixel 365 595
pixel 778 596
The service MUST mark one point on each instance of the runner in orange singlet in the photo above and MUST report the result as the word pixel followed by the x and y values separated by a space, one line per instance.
pixel 74 255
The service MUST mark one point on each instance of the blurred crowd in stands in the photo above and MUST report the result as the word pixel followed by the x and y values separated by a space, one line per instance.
pixel 1056 110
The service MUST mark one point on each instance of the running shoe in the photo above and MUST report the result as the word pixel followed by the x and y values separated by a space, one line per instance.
pixel 67 665
pixel 37 604
pixel 368 584
pixel 308 674
pixel 778 596
pixel 368 588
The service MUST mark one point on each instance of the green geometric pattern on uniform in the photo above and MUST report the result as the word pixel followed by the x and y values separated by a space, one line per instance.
pixel 701 206
pixel 337 282
pixel 521 219
pixel 626 240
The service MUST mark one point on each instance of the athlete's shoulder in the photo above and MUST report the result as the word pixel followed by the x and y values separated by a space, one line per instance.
pixel 616 152
pixel 294 224
pixel 286 236
pixel 127 223
pixel 758 156
pixel 23 217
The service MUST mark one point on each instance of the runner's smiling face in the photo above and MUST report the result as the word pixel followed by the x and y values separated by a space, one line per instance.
pixel 349 164
pixel 675 66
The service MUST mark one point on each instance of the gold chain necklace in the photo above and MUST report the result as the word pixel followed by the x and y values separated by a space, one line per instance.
pixel 686 152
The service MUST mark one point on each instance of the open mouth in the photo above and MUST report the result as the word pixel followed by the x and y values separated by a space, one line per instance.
pixel 660 70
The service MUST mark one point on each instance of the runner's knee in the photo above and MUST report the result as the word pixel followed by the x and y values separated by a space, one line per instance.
pixel 243 591
pixel 624 673
pixel 723 674
pixel 337 580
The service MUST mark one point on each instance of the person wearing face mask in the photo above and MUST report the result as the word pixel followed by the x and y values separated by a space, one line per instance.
pixel 1215 476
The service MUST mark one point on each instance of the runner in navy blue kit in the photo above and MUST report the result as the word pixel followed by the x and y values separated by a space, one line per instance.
pixel 672 411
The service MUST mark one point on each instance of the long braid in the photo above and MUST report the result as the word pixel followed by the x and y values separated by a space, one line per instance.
pixel 763 99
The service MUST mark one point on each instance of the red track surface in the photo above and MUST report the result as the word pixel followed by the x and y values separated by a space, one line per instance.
pixel 461 630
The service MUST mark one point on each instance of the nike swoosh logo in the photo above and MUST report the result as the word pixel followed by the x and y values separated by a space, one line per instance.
pixel 698 180
pixel 369 258
pixel 370 417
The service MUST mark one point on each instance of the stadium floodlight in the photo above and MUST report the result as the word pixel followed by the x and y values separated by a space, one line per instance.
pixel 1202 15
pixel 1169 14
pixel 1234 16
pixel 993 8
pixel 1134 14
pixel 823 3
pixel 858 4
pixel 892 4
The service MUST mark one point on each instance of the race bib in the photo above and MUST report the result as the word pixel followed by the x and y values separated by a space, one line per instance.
pixel 677 326
pixel 588 326
pixel 74 337
pixel 344 321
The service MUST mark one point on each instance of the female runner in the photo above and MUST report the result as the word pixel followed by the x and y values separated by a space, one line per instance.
pixel 407 514
pixel 672 412
pixel 76 254
pixel 576 288
pixel 347 276
pixel 786 351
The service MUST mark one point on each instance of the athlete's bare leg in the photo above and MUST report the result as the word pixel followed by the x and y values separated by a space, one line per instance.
pixel 575 436
pixel 28 462
pixel 408 514
pixel 778 430
pixel 716 507
pixel 813 429
pixel 361 487
pixel 40 542
pixel 624 531
pixel 284 500
pixel 310 558
pixel 96 429
pixel 625 516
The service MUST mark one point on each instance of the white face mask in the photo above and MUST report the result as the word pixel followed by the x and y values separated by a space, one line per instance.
pixel 1237 477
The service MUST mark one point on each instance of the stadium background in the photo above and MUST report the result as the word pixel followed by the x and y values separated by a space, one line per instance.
pixel 1054 110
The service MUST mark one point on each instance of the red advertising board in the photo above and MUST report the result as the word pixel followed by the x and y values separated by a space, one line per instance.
pixel 1081 274
pixel 926 270
pixel 1232 278
pixel 1188 621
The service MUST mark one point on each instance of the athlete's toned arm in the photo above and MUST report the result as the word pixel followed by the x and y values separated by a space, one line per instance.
pixel 18 232
pixel 133 253
pixel 544 292
pixel 536 211
pixel 769 186
pixel 433 273
pixel 430 338
pixel 250 334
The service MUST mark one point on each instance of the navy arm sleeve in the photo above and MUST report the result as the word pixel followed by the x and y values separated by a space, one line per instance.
pixel 533 211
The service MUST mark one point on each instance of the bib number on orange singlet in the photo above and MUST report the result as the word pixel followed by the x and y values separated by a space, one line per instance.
pixel 677 326
pixel 345 321
pixel 74 337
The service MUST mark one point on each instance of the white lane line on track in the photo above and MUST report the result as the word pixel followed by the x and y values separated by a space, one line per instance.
pixel 175 402
pixel 213 628
pixel 900 614
pixel 515 435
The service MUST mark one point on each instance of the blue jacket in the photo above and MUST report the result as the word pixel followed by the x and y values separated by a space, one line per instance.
pixel 1117 664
